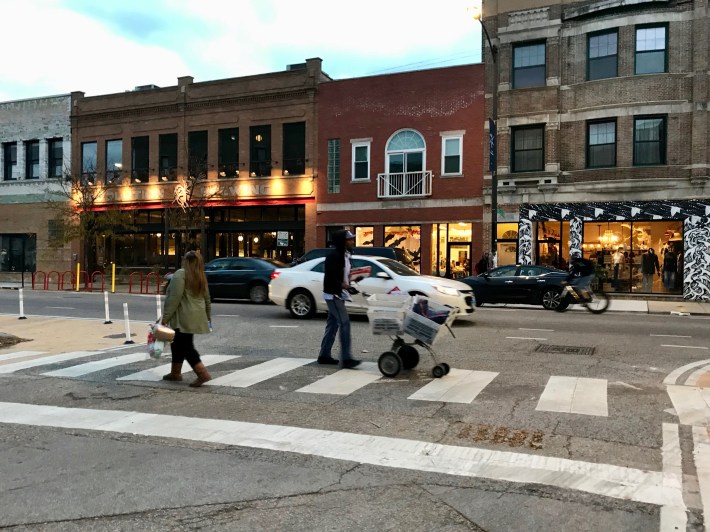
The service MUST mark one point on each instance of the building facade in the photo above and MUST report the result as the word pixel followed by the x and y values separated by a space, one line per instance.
pixel 35 143
pixel 400 164
pixel 224 166
pixel 602 137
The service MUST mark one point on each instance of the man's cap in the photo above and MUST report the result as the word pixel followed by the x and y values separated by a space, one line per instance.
pixel 349 235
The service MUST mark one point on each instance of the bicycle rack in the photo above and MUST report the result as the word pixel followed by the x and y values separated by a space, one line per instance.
pixel 44 279
pixel 140 282
pixel 48 279
pixel 147 283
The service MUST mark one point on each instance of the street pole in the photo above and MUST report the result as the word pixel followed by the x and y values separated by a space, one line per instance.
pixel 493 142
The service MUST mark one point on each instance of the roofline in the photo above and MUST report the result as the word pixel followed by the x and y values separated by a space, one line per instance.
pixel 67 95
pixel 464 65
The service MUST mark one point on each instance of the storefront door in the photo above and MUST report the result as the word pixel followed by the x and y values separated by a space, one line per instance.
pixel 459 255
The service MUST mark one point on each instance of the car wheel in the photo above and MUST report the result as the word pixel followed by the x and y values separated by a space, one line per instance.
pixel 301 304
pixel 551 298
pixel 259 294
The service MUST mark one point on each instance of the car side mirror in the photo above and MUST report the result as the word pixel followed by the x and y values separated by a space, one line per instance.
pixel 382 275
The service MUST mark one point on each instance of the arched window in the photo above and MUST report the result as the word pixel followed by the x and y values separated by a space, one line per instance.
pixel 406 152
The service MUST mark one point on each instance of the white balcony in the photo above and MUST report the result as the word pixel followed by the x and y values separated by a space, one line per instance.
pixel 404 185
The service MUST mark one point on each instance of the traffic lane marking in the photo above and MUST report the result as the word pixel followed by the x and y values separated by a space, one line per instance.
pixel 156 374
pixel 672 335
pixel 541 330
pixel 575 395
pixel 345 381
pixel 459 386
pixel 244 378
pixel 525 338
pixel 685 346
pixel 672 517
pixel 624 483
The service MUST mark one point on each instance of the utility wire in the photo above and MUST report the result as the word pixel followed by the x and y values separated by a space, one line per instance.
pixel 428 62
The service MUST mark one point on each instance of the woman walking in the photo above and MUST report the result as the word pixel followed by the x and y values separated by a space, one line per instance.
pixel 188 311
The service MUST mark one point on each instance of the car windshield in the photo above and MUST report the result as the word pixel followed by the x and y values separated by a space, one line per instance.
pixel 398 267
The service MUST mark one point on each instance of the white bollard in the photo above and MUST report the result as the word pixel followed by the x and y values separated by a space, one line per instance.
pixel 22 305
pixel 158 307
pixel 108 319
pixel 128 325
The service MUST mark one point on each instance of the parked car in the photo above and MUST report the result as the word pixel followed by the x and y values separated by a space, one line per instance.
pixel 238 278
pixel 300 288
pixel 533 285
pixel 399 254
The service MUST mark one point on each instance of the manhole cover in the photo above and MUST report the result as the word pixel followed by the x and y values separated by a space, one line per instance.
pixel 564 349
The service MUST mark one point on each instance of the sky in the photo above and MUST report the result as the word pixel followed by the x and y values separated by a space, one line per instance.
pixel 106 46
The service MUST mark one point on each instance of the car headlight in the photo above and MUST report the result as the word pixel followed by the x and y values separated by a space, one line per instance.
pixel 446 290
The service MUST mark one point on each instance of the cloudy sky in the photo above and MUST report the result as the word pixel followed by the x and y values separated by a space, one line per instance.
pixel 103 46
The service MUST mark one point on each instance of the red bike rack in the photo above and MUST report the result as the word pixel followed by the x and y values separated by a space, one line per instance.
pixel 60 286
pixel 93 276
pixel 49 279
pixel 147 283
pixel 140 282
pixel 44 279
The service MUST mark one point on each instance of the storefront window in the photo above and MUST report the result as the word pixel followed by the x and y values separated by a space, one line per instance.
pixel 507 244
pixel 553 244
pixel 439 239
pixel 625 264
pixel 459 255
pixel 407 237
pixel 365 236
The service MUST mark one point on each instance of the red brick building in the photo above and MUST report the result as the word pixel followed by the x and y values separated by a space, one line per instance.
pixel 401 164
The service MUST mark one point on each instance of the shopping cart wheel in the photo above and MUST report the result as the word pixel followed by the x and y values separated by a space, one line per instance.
pixel 390 364
pixel 409 356
pixel 447 368
pixel 438 371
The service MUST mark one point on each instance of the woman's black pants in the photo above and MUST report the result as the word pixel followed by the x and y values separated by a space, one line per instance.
pixel 183 349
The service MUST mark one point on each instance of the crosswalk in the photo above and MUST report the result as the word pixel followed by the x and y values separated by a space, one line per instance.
pixel 561 394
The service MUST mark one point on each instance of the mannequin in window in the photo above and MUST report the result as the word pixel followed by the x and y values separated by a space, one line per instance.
pixel 617 259
pixel 649 267
pixel 670 265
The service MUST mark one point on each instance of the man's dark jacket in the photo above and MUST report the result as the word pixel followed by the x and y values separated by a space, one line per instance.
pixel 335 266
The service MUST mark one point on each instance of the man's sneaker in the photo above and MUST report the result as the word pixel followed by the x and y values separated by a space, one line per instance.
pixel 350 363
pixel 327 360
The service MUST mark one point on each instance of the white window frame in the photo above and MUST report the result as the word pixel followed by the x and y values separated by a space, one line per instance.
pixel 359 143
pixel 449 135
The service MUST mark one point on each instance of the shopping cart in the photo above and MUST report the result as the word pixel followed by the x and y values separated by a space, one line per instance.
pixel 421 318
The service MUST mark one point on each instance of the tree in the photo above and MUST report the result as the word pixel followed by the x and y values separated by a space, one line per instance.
pixel 192 195
pixel 81 212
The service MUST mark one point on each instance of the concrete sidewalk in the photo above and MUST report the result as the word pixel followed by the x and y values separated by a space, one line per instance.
pixel 60 335
pixel 693 308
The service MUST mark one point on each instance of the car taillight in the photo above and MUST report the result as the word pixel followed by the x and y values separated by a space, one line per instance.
pixel 275 274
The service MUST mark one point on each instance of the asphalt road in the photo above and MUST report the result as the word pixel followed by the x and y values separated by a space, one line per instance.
pixel 502 443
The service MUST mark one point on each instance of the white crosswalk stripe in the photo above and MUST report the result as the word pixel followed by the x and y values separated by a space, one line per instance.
pixel 567 395
pixel 345 381
pixel 156 373
pixel 244 378
pixel 459 386
pixel 575 395
pixel 43 361
pixel 97 365
pixel 19 354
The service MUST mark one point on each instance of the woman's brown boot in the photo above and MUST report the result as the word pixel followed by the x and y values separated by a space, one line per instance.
pixel 202 375
pixel 175 373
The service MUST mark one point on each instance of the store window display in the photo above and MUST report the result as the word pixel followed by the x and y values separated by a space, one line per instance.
pixel 452 250
pixel 407 237
pixel 553 244
pixel 507 243
pixel 641 257
pixel 364 236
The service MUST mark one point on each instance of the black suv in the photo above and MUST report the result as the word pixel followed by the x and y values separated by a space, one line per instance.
pixel 398 254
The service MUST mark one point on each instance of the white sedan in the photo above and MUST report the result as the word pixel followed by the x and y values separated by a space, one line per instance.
pixel 300 288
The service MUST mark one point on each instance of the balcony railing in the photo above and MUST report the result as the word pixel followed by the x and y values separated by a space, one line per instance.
pixel 404 185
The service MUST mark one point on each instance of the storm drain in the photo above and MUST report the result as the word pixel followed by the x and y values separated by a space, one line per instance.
pixel 564 349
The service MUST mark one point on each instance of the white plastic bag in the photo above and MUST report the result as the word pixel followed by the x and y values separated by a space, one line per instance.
pixel 155 347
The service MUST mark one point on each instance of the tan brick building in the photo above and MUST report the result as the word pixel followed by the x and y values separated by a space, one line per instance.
pixel 603 136
pixel 249 142
pixel 35 141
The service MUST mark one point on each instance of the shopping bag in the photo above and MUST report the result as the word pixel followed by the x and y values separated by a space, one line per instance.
pixel 155 346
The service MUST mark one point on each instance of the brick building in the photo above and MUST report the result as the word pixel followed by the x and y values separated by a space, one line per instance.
pixel 400 164
pixel 35 140
pixel 248 143
pixel 603 136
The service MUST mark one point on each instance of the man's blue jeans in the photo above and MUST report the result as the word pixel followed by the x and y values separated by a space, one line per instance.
pixel 338 319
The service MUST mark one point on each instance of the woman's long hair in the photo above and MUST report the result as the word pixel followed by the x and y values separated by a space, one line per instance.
pixel 195 280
